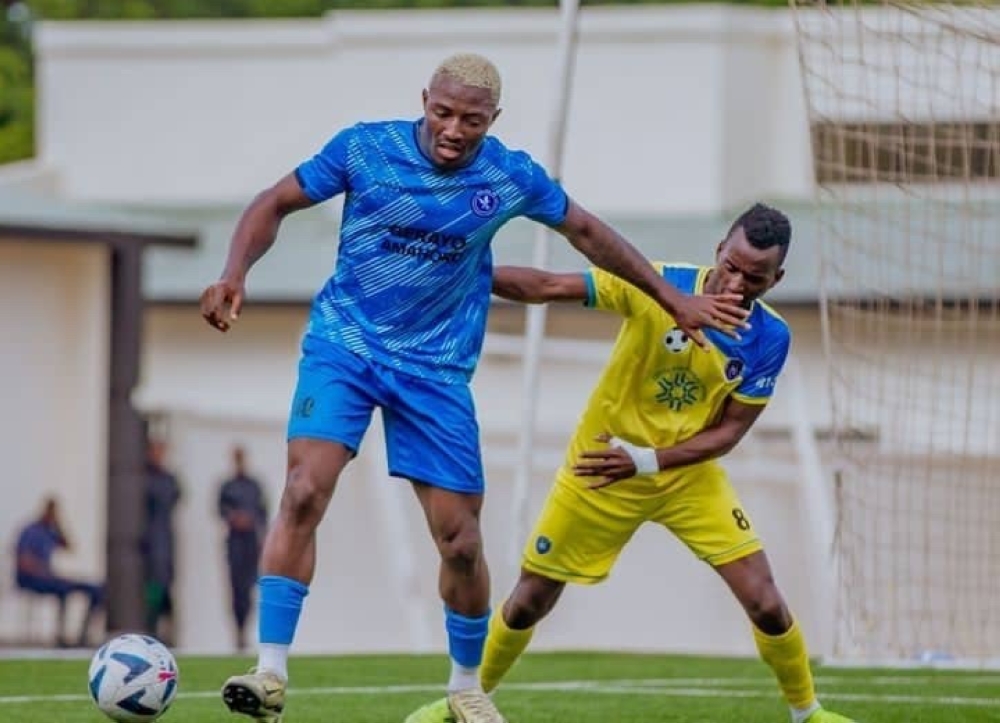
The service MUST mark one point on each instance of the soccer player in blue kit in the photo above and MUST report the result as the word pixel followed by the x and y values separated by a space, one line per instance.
pixel 400 326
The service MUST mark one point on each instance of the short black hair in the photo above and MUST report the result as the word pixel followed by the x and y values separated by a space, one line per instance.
pixel 764 227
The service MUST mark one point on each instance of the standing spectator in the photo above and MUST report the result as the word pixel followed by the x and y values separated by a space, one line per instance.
pixel 162 494
pixel 244 510
pixel 35 546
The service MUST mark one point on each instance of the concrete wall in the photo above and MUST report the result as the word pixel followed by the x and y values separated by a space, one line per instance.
pixel 697 108
pixel 54 385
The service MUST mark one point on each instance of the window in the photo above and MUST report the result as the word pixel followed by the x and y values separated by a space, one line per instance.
pixel 899 152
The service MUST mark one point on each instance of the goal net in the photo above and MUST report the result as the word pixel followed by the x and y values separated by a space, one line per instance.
pixel 904 106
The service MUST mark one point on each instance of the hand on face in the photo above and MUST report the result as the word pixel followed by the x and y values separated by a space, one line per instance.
pixel 718 311
pixel 742 274
pixel 743 269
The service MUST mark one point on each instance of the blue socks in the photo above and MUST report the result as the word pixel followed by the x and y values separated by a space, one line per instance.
pixel 466 637
pixel 280 605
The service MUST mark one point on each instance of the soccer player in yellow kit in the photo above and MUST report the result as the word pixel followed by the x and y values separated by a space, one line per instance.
pixel 646 450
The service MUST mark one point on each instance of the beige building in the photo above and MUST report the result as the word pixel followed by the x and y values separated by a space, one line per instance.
pixel 72 330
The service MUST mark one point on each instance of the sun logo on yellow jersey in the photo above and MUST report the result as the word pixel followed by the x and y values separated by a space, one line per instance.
pixel 679 388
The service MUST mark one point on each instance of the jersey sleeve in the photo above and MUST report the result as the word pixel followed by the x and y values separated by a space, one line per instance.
pixel 546 201
pixel 325 175
pixel 758 385
pixel 608 292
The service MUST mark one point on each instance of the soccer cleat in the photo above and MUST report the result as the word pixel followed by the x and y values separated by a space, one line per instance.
pixel 473 706
pixel 260 695
pixel 825 716
pixel 436 712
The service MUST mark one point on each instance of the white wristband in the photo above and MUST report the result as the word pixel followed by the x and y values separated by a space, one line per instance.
pixel 644 458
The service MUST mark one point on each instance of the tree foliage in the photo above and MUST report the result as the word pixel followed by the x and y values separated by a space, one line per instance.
pixel 17 96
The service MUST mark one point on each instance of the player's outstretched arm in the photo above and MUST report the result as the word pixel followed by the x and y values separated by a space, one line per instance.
pixel 254 235
pixel 535 286
pixel 607 249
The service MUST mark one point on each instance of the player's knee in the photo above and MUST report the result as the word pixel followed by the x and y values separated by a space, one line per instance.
pixel 305 497
pixel 522 613
pixel 530 601
pixel 461 546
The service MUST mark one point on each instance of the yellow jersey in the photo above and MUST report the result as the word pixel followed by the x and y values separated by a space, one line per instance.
pixel 659 387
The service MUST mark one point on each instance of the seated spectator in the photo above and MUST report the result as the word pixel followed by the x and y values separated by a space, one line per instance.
pixel 35 545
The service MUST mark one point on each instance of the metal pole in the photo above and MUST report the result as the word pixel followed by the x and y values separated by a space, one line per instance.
pixel 126 484
pixel 819 507
pixel 536 313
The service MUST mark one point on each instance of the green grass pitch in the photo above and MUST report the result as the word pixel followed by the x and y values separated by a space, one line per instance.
pixel 548 688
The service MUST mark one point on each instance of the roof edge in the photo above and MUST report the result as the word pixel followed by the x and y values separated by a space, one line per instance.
pixel 109 236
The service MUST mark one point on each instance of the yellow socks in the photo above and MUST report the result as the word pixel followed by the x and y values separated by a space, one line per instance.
pixel 503 647
pixel 786 655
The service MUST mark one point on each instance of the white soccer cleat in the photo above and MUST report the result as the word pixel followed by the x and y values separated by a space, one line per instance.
pixel 473 706
pixel 259 695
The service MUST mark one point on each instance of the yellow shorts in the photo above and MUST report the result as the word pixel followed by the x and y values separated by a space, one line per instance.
pixel 580 532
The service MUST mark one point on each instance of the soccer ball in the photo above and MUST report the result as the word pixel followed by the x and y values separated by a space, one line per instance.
pixel 133 678
pixel 676 340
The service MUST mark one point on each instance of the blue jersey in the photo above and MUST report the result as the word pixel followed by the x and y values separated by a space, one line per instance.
pixel 411 288
pixel 39 541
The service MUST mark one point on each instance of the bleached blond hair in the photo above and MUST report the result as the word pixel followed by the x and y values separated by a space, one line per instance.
pixel 471 70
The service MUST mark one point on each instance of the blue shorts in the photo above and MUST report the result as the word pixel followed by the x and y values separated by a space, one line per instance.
pixel 431 432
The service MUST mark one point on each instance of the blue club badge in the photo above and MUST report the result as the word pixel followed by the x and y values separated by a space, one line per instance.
pixel 485 202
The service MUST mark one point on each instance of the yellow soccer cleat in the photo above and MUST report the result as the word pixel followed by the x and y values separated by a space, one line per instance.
pixel 259 695
pixel 473 706
pixel 436 712
pixel 825 716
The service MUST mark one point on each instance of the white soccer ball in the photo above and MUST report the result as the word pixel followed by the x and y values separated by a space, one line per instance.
pixel 133 678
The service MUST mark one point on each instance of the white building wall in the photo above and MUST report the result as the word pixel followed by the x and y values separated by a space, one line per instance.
pixel 54 303
pixel 699 108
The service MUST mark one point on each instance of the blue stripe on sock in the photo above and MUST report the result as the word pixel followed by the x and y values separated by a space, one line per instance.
pixel 466 637
pixel 280 605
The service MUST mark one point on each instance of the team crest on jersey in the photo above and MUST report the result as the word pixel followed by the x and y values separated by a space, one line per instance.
pixel 734 368
pixel 543 544
pixel 485 202
pixel 679 388
pixel 676 340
